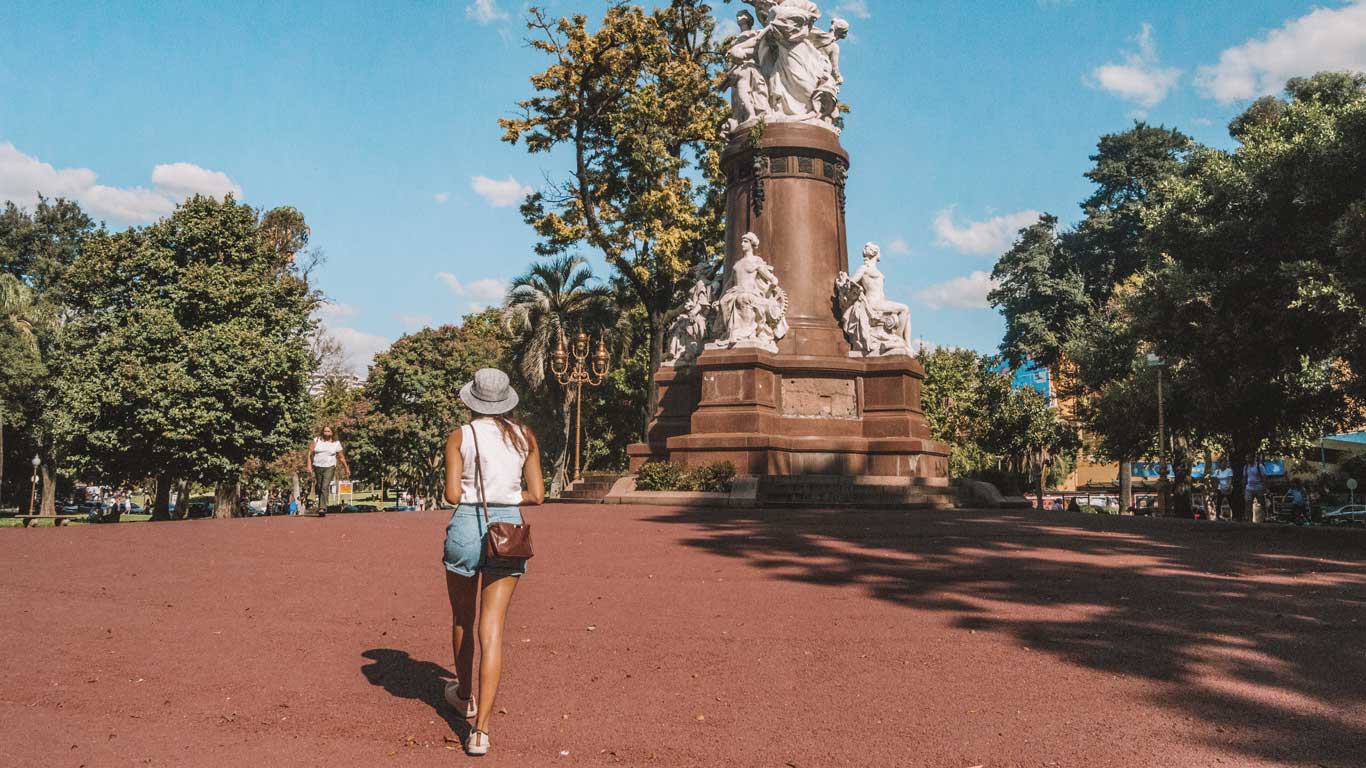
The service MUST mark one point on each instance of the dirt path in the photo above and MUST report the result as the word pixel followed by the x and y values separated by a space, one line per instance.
pixel 657 637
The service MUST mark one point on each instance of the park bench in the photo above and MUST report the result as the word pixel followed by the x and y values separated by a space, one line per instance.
pixel 56 519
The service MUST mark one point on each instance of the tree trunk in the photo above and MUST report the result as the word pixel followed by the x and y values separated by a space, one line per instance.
pixel 182 500
pixel 225 499
pixel 657 331
pixel 1041 468
pixel 1238 501
pixel 560 477
pixel 1126 485
pixel 2 458
pixel 49 491
pixel 161 508
pixel 1181 483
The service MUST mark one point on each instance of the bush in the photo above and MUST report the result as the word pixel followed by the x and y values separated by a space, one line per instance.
pixel 667 476
pixel 713 477
pixel 661 476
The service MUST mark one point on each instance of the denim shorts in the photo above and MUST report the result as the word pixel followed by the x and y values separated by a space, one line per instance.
pixel 465 541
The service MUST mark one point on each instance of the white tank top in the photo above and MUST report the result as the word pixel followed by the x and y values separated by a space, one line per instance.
pixel 502 465
pixel 325 452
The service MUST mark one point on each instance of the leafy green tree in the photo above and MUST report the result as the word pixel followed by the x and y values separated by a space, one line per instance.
pixel 545 307
pixel 1040 293
pixel 21 363
pixel 1024 427
pixel 635 104
pixel 413 391
pixel 1057 289
pixel 958 389
pixel 36 249
pixel 1259 300
pixel 185 354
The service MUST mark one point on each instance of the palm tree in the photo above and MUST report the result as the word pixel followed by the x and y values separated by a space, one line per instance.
pixel 547 303
pixel 18 314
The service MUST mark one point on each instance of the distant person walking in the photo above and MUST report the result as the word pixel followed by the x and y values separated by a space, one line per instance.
pixel 494 461
pixel 1223 479
pixel 324 453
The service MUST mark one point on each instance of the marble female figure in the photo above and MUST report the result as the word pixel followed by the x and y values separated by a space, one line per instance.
pixel 753 307
pixel 870 279
pixel 749 89
pixel 798 73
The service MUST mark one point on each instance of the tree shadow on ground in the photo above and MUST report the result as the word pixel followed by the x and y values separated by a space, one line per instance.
pixel 404 677
pixel 1257 632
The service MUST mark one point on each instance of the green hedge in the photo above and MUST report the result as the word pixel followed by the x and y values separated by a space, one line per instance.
pixel 667 476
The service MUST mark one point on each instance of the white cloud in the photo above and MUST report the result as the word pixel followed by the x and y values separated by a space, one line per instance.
pixel 500 194
pixel 441 197
pixel 182 180
pixel 23 178
pixel 485 11
pixel 358 348
pixel 899 247
pixel 1324 39
pixel 989 238
pixel 451 282
pixel 856 8
pixel 961 292
pixel 331 310
pixel 133 205
pixel 486 290
pixel 1139 78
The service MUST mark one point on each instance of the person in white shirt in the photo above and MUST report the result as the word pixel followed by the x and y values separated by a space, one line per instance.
pixel 324 454
pixel 1223 479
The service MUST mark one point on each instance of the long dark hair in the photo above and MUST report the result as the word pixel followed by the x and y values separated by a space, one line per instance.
pixel 514 432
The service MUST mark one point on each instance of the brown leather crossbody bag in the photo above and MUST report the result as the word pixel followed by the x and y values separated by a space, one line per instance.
pixel 505 541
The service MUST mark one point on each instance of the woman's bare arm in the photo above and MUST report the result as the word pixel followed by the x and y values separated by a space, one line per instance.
pixel 455 467
pixel 531 474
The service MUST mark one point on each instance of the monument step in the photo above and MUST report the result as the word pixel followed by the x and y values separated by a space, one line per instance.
pixel 589 489
pixel 832 490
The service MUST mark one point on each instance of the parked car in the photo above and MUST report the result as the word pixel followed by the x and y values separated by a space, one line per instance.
pixel 1347 514
pixel 359 508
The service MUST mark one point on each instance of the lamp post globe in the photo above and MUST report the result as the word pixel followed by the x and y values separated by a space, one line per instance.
pixel 33 486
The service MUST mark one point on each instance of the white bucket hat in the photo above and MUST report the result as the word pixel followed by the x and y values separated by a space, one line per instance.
pixel 490 393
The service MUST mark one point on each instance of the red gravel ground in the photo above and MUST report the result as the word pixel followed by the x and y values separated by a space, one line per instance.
pixel 664 637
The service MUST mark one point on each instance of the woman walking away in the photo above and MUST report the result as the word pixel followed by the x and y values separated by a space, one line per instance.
pixel 489 462
pixel 323 455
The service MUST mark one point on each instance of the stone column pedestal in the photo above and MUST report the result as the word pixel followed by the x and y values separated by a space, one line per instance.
pixel 811 408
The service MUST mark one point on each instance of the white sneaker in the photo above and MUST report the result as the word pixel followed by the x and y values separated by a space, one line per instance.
pixel 478 743
pixel 465 707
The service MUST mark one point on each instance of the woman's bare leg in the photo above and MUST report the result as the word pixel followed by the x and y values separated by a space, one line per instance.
pixel 496 596
pixel 462 591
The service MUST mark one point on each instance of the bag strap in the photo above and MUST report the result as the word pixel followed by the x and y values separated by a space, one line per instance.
pixel 479 474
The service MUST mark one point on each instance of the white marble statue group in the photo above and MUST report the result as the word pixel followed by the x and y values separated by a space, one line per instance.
pixel 747 308
pixel 786 72
pixel 874 324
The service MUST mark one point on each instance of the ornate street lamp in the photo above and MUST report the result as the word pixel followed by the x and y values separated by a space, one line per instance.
pixel 593 373
pixel 33 484
pixel 1163 490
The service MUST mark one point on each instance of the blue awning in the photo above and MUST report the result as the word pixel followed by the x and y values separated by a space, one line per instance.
pixel 1352 441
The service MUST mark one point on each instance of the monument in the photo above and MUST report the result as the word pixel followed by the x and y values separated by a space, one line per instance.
pixel 788 364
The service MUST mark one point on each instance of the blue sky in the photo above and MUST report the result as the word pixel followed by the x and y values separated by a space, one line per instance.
pixel 379 122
